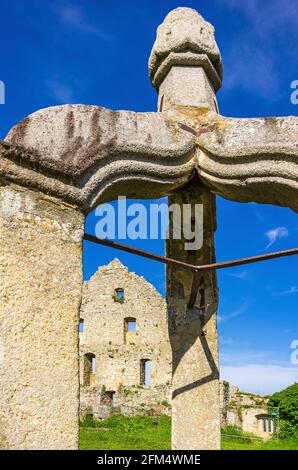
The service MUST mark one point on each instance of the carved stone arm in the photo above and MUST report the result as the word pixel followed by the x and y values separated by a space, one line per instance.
pixel 87 154
pixel 251 159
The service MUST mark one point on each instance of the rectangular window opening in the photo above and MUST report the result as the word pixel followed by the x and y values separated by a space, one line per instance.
pixel 109 398
pixel 89 369
pixel 131 326
pixel 119 295
pixel 145 372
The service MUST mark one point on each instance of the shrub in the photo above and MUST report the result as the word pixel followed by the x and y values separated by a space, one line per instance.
pixel 287 401
pixel 166 404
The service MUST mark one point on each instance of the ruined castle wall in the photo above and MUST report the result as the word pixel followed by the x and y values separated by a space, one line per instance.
pixel 243 410
pixel 224 398
pixel 119 353
pixel 117 369
pixel 248 420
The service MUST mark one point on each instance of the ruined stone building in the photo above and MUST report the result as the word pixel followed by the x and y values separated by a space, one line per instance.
pixel 125 354
pixel 246 411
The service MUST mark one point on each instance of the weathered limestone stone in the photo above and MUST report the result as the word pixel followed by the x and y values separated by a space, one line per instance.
pixel 40 287
pixel 87 154
pixel 247 160
pixel 193 335
pixel 185 52
pixel 185 30
pixel 119 353
pixel 246 411
pixel 84 155
pixel 193 331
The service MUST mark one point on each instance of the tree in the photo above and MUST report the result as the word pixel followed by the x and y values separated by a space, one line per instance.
pixel 287 401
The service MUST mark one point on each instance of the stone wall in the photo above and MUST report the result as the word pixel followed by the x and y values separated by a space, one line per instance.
pixel 119 353
pixel 40 290
pixel 111 355
pixel 245 411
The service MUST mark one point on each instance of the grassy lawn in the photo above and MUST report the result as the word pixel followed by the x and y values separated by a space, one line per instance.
pixel 244 441
pixel 136 433
pixel 150 433
pixel 234 444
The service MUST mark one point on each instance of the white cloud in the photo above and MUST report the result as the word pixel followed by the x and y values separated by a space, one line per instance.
pixel 292 290
pixel 59 91
pixel 243 57
pixel 235 313
pixel 232 342
pixel 263 379
pixel 266 15
pixel 243 275
pixel 275 234
pixel 257 212
pixel 251 62
pixel 75 16
pixel 243 356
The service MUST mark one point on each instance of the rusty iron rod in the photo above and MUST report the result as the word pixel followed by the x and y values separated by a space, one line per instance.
pixel 136 251
pixel 250 259
pixel 191 267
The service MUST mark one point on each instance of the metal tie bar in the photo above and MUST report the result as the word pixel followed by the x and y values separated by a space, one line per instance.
pixel 192 267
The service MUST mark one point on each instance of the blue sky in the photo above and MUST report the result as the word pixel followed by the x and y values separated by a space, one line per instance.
pixel 93 52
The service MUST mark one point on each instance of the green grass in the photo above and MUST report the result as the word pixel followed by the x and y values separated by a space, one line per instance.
pixel 272 444
pixel 245 441
pixel 154 433
pixel 135 433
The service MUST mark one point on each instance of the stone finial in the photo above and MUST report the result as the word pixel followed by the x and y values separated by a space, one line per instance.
pixel 185 38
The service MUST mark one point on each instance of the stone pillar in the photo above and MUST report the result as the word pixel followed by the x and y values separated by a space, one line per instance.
pixel 193 335
pixel 40 289
pixel 186 70
pixel 195 93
